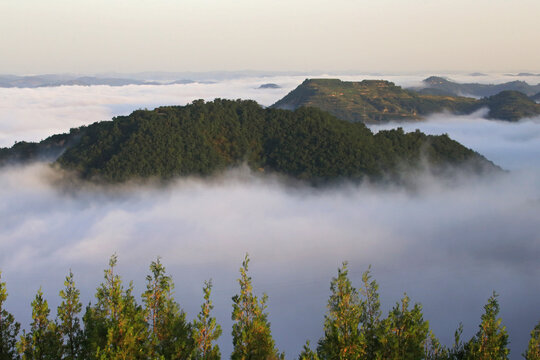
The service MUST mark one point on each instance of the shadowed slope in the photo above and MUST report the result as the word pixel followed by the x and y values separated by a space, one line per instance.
pixel 206 138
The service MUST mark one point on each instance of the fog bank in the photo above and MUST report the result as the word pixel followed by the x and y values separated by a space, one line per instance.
pixel 33 114
pixel 448 245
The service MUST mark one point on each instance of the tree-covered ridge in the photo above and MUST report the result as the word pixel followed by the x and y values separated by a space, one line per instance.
pixel 511 106
pixel 117 326
pixel 205 138
pixel 443 86
pixel 370 101
pixel 376 101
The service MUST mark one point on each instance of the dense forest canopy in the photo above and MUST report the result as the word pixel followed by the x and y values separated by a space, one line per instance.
pixel 204 138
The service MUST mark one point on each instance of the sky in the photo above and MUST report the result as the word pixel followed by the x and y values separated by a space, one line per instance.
pixel 93 36
pixel 447 244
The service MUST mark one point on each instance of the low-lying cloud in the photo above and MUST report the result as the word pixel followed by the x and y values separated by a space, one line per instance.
pixel 447 245
pixel 32 114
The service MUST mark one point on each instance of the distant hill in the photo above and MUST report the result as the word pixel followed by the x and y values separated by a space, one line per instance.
pixel 36 81
pixel 536 97
pixel 205 138
pixel 442 86
pixel 370 101
pixel 524 74
pixel 510 106
pixel 377 101
pixel 270 86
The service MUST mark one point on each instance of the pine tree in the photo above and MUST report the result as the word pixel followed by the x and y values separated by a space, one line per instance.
pixel 433 349
pixel 307 353
pixel 94 333
pixel 9 328
pixel 342 338
pixel 457 352
pixel 43 341
pixel 371 316
pixel 405 333
pixel 68 316
pixel 252 339
pixel 169 332
pixel 533 350
pixel 206 330
pixel 491 340
pixel 126 327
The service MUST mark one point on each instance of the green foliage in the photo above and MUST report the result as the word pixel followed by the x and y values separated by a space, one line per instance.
pixel 370 101
pixel 69 323
pixel 206 330
pixel 48 149
pixel 252 339
pixel 126 335
pixel 491 340
pixel 342 338
pixel 169 332
pixel 405 333
pixel 116 327
pixel 437 84
pixel 307 353
pixel 433 349
pixel 206 138
pixel 533 350
pixel 457 352
pixel 43 341
pixel 9 328
pixel 370 319
pixel 377 101
pixel 511 106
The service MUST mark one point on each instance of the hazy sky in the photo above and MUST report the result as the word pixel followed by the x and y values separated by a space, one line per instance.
pixel 197 35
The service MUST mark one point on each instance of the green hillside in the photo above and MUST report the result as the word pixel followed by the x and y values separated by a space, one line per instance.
pixel 377 101
pixel 370 101
pixel 511 106
pixel 440 85
pixel 205 138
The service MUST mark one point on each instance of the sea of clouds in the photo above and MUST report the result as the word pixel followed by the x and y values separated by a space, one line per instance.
pixel 447 244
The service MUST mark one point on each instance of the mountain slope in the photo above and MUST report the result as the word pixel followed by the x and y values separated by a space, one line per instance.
pixel 205 138
pixel 369 101
pixel 511 106
pixel 440 85
pixel 377 101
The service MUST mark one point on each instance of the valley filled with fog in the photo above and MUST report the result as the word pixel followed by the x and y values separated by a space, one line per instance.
pixel 448 244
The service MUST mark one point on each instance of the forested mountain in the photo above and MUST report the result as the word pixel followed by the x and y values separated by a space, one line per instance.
pixel 370 101
pixel 442 86
pixel 205 138
pixel 511 106
pixel 376 101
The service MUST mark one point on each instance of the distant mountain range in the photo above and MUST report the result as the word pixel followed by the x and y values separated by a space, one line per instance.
pixel 377 101
pixel 524 74
pixel 36 81
pixel 436 85
pixel 205 138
